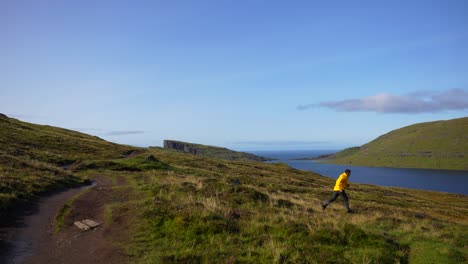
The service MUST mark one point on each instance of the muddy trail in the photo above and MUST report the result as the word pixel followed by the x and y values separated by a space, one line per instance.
pixel 29 235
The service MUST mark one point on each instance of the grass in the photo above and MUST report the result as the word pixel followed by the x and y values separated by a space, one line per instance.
pixel 432 145
pixel 248 212
pixel 33 158
pixel 21 179
pixel 62 214
pixel 139 163
pixel 181 208
pixel 54 145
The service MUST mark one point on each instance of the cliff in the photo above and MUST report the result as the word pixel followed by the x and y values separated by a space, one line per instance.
pixel 211 151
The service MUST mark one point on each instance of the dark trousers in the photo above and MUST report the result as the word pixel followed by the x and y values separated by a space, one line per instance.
pixel 335 195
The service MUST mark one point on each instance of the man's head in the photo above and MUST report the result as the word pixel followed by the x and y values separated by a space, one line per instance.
pixel 348 171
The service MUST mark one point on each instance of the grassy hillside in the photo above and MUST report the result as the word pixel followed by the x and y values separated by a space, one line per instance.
pixel 432 145
pixel 183 208
pixel 23 178
pixel 32 157
pixel 211 151
pixel 53 145
pixel 201 210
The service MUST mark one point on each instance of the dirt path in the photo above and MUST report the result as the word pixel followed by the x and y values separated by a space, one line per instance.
pixel 34 239
pixel 29 226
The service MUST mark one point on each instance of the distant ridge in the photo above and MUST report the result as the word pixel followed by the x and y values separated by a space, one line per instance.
pixel 431 145
pixel 211 151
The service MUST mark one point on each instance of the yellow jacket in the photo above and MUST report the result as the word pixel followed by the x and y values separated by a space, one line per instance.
pixel 341 182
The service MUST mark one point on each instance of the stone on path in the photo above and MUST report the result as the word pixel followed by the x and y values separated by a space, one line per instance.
pixel 82 226
pixel 86 224
pixel 91 223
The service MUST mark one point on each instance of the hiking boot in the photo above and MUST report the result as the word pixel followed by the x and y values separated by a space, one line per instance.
pixel 350 211
pixel 323 206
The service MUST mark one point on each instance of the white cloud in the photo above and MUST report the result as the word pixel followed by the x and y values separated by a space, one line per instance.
pixel 417 102
pixel 124 132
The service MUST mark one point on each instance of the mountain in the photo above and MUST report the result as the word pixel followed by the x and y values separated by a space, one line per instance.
pixel 211 151
pixel 431 145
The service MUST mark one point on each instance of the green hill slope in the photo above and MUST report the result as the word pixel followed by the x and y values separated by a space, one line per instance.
pixel 181 208
pixel 203 210
pixel 211 151
pixel 32 157
pixel 52 144
pixel 432 145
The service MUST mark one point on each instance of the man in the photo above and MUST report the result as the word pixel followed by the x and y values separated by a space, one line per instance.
pixel 339 190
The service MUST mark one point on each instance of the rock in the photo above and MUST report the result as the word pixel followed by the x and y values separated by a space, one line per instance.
pixel 420 216
pixel 234 214
pixel 235 182
pixel 151 158
pixel 91 223
pixel 182 146
pixel 82 226
pixel 86 224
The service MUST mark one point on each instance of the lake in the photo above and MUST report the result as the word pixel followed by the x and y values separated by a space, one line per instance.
pixel 451 181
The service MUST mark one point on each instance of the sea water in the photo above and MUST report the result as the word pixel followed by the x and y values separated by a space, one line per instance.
pixel 452 181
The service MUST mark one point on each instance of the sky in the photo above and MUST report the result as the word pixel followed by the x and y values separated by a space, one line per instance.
pixel 241 74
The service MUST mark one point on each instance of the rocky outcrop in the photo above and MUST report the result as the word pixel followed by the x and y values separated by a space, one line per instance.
pixel 182 146
pixel 211 151
pixel 151 158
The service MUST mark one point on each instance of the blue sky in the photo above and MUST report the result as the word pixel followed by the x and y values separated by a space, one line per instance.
pixel 247 75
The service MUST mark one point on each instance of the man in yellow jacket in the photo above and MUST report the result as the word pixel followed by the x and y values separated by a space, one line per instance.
pixel 339 190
